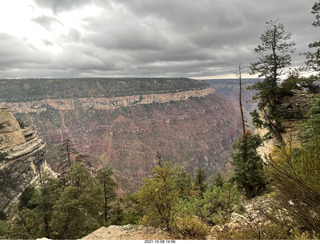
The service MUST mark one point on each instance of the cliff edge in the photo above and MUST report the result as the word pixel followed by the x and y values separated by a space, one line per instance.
pixel 23 154
pixel 293 110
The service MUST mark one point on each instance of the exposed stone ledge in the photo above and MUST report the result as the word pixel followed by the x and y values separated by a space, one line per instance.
pixel 25 149
pixel 129 232
pixel 103 102
pixel 24 160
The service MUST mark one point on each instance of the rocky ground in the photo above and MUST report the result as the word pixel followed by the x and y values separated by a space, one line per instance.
pixel 129 232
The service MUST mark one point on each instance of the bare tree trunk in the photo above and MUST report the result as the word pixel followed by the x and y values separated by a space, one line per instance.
pixel 240 102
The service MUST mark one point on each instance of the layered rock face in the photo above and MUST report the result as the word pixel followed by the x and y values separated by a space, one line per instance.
pixel 24 157
pixel 193 126
pixel 293 110
pixel 230 89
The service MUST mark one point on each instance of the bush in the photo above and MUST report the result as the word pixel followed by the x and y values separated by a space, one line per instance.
pixel 263 231
pixel 4 229
pixel 158 197
pixel 294 172
pixel 190 227
pixel 215 206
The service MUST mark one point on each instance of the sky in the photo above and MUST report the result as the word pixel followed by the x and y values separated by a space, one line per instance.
pixel 143 38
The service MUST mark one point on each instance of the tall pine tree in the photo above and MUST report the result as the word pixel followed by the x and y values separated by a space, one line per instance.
pixel 273 55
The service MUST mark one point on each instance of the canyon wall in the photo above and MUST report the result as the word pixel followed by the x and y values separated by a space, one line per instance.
pixel 230 89
pixel 102 103
pixel 24 157
pixel 184 121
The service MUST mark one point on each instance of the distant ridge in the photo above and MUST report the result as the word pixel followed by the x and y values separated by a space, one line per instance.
pixel 22 90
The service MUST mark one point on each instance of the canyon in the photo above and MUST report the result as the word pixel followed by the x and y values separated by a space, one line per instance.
pixel 127 123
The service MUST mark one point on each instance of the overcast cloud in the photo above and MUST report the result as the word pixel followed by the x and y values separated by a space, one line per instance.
pixel 168 38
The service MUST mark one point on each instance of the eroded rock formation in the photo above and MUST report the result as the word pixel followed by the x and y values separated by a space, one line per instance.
pixel 24 157
pixel 293 110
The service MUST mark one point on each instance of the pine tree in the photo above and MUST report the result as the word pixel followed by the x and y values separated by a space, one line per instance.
pixel 248 170
pixel 159 197
pixel 34 212
pixel 182 182
pixel 78 210
pixel 311 128
pixel 199 179
pixel 104 177
pixel 313 57
pixel 67 149
pixel 274 55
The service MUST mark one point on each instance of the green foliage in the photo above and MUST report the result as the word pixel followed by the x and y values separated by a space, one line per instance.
pixel 116 214
pixel 248 165
pixel 158 197
pixel 66 208
pixel 256 120
pixel 274 55
pixel 274 52
pixel 313 57
pixel 263 231
pixel 295 174
pixel 25 198
pixel 182 182
pixel 316 12
pixel 190 227
pixel 104 178
pixel 215 206
pixel 311 127
pixel 77 211
pixel 291 82
pixel 218 203
pixel 311 83
pixel 4 229
pixel 35 210
pixel 199 179
pixel 217 181
pixel 295 81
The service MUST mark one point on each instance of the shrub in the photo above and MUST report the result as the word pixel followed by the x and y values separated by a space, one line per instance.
pixel 190 227
pixel 295 174
pixel 263 231
pixel 4 229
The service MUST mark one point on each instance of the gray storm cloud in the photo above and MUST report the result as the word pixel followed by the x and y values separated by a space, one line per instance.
pixel 154 38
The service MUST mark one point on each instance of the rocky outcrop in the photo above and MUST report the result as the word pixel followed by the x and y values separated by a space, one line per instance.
pixel 253 218
pixel 129 232
pixel 293 110
pixel 24 157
